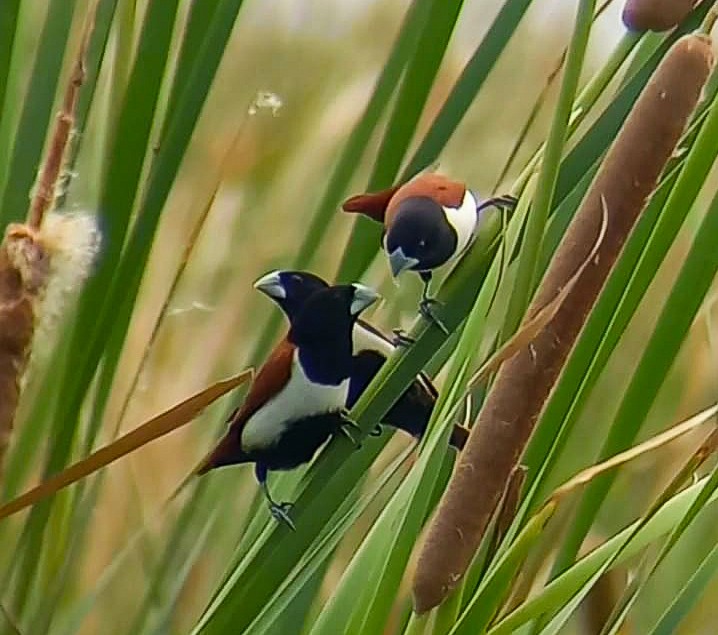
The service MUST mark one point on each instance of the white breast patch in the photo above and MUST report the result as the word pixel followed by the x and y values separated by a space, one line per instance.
pixel 464 220
pixel 300 398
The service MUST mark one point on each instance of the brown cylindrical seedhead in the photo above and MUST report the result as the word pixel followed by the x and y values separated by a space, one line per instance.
pixel 627 177
pixel 24 267
pixel 655 15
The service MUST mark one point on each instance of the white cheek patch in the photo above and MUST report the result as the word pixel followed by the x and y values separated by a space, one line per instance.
pixel 464 220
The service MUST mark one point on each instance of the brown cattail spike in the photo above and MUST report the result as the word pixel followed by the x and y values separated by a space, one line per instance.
pixel 655 15
pixel 24 266
pixel 618 194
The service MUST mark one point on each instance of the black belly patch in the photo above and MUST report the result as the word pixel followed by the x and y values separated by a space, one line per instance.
pixel 299 442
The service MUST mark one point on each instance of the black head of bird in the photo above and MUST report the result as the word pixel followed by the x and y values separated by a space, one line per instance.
pixel 296 401
pixel 428 222
pixel 290 289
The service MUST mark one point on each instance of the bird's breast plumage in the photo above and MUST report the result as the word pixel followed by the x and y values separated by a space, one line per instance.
pixel 463 219
pixel 298 399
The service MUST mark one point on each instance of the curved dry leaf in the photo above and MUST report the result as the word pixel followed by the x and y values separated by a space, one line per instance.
pixel 170 420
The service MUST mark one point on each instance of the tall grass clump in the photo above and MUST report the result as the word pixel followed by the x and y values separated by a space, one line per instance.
pixel 156 157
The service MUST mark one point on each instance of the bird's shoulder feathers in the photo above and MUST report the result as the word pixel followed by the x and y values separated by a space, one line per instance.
pixel 271 378
pixel 437 187
pixel 371 204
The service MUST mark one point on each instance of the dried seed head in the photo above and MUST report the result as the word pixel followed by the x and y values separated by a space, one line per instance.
pixel 72 242
pixel 655 15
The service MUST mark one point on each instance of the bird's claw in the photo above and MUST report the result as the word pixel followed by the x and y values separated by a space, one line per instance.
pixel 376 431
pixel 401 338
pixel 350 436
pixel 280 513
pixel 347 425
pixel 426 309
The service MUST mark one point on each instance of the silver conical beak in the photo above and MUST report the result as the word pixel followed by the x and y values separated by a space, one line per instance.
pixel 271 285
pixel 399 262
pixel 363 297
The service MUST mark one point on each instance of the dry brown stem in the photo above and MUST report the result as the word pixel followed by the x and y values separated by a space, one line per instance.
pixel 46 186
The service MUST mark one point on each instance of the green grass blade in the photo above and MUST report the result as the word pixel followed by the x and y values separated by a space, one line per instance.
pixel 681 306
pixel 526 278
pixel 482 606
pixel 94 58
pixel 597 139
pixel 36 112
pixel 603 329
pixel 589 355
pixel 199 21
pixel 639 581
pixel 335 474
pixel 387 548
pixel 272 614
pixel 557 592
pixel 419 77
pixel 467 86
pixel 688 596
pixel 117 199
pixel 8 23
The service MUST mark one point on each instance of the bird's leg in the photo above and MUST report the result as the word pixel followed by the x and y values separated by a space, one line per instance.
pixel 279 511
pixel 427 304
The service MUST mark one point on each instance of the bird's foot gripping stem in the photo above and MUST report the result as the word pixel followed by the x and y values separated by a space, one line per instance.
pixel 279 511
pixel 427 308
pixel 347 426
